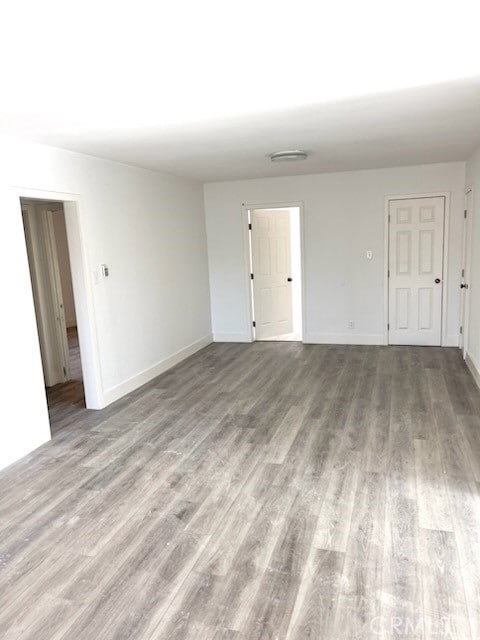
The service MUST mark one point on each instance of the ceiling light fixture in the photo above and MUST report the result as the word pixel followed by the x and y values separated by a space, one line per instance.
pixel 288 156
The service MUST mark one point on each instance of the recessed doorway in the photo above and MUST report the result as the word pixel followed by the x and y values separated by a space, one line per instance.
pixel 54 302
pixel 275 272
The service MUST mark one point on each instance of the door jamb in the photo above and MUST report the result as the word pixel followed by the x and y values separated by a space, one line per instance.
pixel 53 266
pixel 82 288
pixel 246 257
pixel 386 253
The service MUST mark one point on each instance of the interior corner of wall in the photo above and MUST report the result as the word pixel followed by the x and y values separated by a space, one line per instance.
pixel 473 367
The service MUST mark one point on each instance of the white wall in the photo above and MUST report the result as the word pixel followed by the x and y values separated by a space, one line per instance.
pixel 473 338
pixel 343 217
pixel 150 230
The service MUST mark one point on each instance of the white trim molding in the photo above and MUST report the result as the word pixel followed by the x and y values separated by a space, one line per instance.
pixel 117 392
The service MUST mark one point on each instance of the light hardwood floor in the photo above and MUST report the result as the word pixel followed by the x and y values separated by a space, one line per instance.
pixel 255 491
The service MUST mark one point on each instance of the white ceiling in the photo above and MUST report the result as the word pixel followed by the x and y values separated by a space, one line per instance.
pixel 208 90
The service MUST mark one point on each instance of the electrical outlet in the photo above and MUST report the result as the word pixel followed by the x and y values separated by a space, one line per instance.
pixel 351 324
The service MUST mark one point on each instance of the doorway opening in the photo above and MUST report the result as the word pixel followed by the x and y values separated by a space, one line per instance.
pixel 54 301
pixel 275 272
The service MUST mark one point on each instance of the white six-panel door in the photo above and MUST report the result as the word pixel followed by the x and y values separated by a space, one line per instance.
pixel 271 263
pixel 416 271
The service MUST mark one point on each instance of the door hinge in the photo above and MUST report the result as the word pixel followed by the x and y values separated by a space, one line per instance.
pixel 388 273
pixel 251 276
pixel 463 273
pixel 389 217
pixel 249 226
pixel 388 326
pixel 64 371
pixel 465 213
pixel 254 323
pixel 461 330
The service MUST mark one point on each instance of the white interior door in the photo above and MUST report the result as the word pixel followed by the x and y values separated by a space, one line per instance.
pixel 465 275
pixel 416 271
pixel 47 293
pixel 271 263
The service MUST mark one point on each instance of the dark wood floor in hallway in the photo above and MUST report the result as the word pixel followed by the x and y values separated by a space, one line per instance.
pixel 255 491
pixel 66 399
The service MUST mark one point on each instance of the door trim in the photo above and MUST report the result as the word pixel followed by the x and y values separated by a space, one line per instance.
pixel 82 288
pixel 386 260
pixel 246 259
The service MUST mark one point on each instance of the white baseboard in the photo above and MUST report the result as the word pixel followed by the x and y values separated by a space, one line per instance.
pixel 117 392
pixel 474 370
pixel 343 338
pixel 231 337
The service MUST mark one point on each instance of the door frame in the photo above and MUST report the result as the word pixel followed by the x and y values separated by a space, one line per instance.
pixel 386 253
pixel 247 253
pixel 82 287
pixel 466 265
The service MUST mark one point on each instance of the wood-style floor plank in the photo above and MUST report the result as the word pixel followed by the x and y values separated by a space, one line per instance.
pixel 271 490
pixel 444 606
pixel 432 500
pixel 359 601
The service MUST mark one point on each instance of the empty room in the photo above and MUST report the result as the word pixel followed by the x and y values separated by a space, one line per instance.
pixel 240 328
